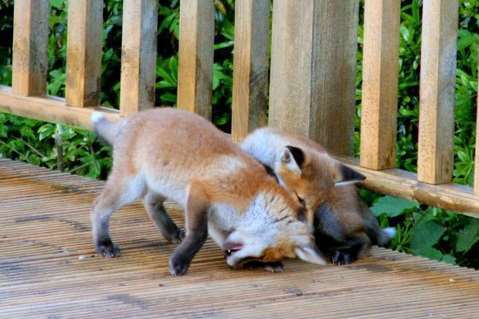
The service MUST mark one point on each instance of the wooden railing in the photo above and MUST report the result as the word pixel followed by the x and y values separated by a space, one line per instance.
pixel 312 78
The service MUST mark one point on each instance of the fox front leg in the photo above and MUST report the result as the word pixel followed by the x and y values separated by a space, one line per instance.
pixel 196 225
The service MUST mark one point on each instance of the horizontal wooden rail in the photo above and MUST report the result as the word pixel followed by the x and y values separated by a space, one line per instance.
pixel 52 109
pixel 401 183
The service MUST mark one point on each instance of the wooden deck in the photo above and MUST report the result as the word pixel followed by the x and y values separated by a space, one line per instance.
pixel 48 269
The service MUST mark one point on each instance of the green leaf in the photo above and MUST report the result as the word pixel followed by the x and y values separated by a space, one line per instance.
pixel 392 206
pixel 425 235
pixel 449 259
pixel 58 4
pixel 468 236
pixel 429 252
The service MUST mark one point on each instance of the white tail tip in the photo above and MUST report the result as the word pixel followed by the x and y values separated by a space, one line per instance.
pixel 390 231
pixel 97 117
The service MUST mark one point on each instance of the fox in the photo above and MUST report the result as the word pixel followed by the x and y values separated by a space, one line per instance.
pixel 171 154
pixel 344 227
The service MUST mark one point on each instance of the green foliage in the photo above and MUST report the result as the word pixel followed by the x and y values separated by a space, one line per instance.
pixel 421 230
pixel 430 232
pixel 34 142
pixel 468 236
pixel 392 206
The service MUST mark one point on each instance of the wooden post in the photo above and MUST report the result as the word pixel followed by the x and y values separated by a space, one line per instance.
pixel 437 96
pixel 250 74
pixel 84 48
pixel 312 89
pixel 380 84
pixel 195 69
pixel 30 45
pixel 138 58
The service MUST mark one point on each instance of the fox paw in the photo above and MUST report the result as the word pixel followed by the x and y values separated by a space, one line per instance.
pixel 178 266
pixel 107 249
pixel 342 258
pixel 274 267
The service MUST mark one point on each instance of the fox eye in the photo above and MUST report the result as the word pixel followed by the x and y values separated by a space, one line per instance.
pixel 300 199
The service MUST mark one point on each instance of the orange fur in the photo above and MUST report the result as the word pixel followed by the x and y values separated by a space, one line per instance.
pixel 173 154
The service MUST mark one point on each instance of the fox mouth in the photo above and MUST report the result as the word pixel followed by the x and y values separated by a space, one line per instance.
pixel 229 252
pixel 231 247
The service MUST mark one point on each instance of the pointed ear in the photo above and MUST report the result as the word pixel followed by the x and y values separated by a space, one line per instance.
pixel 293 157
pixel 348 176
pixel 310 254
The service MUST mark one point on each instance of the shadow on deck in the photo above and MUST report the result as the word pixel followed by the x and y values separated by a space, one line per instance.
pixel 48 269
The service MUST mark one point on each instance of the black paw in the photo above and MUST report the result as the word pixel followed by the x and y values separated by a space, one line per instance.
pixel 342 258
pixel 107 249
pixel 274 266
pixel 178 266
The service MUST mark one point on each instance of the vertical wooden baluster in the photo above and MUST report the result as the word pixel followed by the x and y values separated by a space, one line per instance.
pixel 437 96
pixel 312 86
pixel 250 74
pixel 30 45
pixel 84 49
pixel 380 83
pixel 138 58
pixel 195 69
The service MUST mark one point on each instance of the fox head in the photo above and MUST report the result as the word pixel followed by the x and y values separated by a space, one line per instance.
pixel 311 175
pixel 272 228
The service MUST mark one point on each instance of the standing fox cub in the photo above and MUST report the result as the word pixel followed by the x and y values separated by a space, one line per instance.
pixel 344 227
pixel 172 154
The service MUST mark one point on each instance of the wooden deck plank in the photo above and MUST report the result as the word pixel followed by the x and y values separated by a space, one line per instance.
pixel 48 269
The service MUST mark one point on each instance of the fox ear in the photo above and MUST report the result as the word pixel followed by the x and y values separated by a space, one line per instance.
pixel 293 157
pixel 310 254
pixel 347 176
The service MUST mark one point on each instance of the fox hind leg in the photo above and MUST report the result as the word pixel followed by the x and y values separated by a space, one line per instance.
pixel 156 211
pixel 119 190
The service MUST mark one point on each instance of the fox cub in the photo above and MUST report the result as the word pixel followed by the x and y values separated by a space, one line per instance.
pixel 177 155
pixel 344 227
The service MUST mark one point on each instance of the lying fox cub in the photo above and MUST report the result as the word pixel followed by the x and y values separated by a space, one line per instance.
pixel 171 154
pixel 344 227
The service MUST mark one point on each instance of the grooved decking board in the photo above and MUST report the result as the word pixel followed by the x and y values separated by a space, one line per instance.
pixel 44 228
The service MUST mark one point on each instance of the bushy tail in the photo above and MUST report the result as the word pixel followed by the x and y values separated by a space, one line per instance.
pixel 385 235
pixel 104 128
